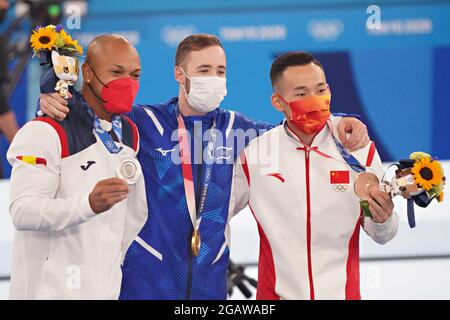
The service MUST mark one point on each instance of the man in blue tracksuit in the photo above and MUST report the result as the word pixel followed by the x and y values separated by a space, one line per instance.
pixel 160 263
pixel 182 252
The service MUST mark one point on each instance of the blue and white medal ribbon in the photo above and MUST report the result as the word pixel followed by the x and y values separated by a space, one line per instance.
pixel 104 136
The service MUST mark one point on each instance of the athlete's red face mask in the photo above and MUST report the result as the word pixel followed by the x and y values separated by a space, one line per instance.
pixel 117 95
pixel 310 114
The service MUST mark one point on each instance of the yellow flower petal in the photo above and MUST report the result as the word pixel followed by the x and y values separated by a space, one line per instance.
pixel 43 39
pixel 427 173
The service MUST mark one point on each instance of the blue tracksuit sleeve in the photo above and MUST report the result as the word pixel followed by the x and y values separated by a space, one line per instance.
pixel 246 123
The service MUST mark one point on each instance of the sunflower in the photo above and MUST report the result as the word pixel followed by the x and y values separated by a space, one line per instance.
pixel 70 43
pixel 440 197
pixel 65 37
pixel 43 39
pixel 427 173
pixel 77 47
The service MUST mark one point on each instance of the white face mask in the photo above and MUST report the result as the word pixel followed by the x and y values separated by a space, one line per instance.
pixel 205 93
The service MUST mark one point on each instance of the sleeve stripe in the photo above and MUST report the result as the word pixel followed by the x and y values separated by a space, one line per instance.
pixel 61 133
pixel 371 154
pixel 230 124
pixel 32 160
pixel 135 133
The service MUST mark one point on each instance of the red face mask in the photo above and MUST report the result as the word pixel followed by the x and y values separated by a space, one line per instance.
pixel 117 95
pixel 310 114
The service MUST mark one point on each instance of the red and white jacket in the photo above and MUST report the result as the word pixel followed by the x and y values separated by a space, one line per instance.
pixel 308 215
pixel 62 249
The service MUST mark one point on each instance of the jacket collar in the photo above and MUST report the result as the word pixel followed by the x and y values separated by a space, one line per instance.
pixel 319 139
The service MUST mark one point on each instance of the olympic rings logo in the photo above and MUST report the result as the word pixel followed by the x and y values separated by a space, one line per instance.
pixel 340 187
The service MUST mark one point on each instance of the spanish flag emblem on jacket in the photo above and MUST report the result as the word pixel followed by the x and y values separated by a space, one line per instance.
pixel 32 160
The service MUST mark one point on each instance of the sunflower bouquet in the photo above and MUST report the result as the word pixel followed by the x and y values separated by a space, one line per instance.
pixel 54 38
pixel 58 54
pixel 419 180
pixel 429 175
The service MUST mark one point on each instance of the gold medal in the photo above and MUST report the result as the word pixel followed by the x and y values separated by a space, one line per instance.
pixel 196 243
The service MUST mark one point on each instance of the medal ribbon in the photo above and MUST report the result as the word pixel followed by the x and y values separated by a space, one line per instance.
pixel 349 159
pixel 104 136
pixel 186 168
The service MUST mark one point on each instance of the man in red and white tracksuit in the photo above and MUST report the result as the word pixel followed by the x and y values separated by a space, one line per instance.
pixel 75 219
pixel 298 183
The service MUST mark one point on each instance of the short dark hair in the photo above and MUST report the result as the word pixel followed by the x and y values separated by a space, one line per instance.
pixel 195 42
pixel 291 59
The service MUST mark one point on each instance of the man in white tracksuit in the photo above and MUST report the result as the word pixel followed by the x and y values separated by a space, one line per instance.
pixel 75 220
pixel 298 181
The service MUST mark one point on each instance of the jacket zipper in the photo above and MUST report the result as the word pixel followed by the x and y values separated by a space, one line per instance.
pixel 308 224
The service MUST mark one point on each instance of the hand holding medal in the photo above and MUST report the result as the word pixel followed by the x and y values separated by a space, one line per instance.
pixel 419 180
pixel 366 184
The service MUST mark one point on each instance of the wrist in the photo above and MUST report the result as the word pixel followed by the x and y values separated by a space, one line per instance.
pixel 91 204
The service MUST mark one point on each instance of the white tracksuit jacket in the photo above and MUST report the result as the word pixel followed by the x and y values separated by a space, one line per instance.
pixel 308 224
pixel 62 249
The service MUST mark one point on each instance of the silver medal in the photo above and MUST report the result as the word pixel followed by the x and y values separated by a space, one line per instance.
pixel 129 170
